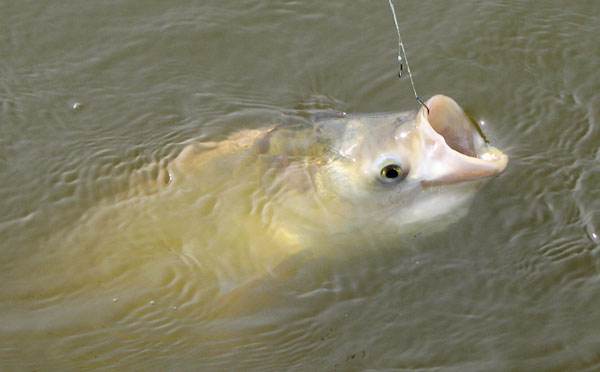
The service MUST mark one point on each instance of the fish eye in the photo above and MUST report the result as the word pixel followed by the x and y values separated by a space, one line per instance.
pixel 392 172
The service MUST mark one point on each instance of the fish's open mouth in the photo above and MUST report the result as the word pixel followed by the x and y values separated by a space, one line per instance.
pixel 450 121
pixel 457 151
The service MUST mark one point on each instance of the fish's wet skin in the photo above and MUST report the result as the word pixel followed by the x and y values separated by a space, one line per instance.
pixel 240 209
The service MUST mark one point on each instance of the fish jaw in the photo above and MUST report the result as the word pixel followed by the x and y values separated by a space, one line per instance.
pixel 450 147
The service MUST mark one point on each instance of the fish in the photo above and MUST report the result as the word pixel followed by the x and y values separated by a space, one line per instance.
pixel 223 217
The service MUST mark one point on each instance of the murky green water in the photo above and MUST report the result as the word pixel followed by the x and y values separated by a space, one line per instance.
pixel 100 271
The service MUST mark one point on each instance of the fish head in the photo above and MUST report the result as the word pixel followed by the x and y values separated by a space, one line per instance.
pixel 411 167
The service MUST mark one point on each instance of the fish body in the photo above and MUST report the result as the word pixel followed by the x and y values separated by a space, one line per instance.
pixel 228 212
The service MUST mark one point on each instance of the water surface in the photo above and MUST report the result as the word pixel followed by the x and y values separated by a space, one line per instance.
pixel 93 94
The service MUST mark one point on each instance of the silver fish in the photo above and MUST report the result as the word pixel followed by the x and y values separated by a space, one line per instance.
pixel 232 211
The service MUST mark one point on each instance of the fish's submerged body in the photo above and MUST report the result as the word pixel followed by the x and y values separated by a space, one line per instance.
pixel 232 211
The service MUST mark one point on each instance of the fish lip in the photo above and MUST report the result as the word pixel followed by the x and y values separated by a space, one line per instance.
pixel 465 177
pixel 482 161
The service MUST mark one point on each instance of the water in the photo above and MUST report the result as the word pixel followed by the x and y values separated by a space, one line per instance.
pixel 93 95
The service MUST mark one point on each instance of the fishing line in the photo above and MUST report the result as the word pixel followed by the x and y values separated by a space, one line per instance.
pixel 402 52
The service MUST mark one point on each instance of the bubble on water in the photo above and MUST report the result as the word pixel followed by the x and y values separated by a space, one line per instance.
pixel 116 299
pixel 152 302
pixel 173 307
pixel 76 105
pixel 591 233
pixel 594 237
